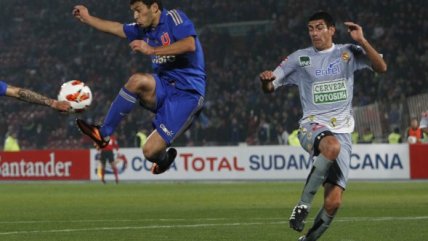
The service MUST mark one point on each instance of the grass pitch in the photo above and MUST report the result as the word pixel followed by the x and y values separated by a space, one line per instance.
pixel 381 211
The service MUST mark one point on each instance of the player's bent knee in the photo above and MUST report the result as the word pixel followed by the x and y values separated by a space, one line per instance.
pixel 331 206
pixel 330 147
pixel 139 82
pixel 152 152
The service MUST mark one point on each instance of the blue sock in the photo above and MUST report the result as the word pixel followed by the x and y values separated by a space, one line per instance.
pixel 121 106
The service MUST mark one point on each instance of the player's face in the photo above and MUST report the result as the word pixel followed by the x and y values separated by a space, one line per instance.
pixel 144 16
pixel 321 35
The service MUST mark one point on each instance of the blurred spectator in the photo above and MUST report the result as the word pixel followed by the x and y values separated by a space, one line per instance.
pixel 394 137
pixel 414 133
pixel 11 141
pixel 141 138
pixel 293 139
pixel 355 137
pixel 367 136
pixel 282 135
pixel 424 122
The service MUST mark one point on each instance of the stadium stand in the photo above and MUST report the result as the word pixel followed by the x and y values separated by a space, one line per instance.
pixel 41 46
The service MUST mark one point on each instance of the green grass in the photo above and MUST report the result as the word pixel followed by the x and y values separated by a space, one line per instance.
pixel 388 211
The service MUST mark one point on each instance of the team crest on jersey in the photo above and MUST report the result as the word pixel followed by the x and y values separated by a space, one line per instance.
pixel 345 56
pixel 166 40
pixel 304 61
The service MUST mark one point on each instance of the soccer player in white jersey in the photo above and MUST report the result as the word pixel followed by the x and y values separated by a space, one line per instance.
pixel 324 75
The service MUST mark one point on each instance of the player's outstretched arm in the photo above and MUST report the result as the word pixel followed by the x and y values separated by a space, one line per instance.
pixel 81 12
pixel 36 98
pixel 356 32
pixel 180 47
pixel 266 79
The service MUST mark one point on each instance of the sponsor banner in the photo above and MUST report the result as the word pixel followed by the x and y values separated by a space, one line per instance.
pixel 380 161
pixel 257 163
pixel 45 165
pixel 419 163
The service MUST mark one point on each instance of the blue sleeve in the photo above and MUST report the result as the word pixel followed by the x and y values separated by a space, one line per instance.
pixel 3 87
pixel 131 31
pixel 180 24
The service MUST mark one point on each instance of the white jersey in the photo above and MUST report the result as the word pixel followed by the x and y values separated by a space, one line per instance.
pixel 326 81
pixel 424 120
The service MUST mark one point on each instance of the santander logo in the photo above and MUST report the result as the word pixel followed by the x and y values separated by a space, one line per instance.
pixel 27 168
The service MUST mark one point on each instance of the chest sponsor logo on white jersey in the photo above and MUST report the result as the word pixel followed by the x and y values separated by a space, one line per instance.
pixel 329 92
pixel 332 69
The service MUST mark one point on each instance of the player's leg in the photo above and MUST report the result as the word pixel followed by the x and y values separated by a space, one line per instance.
pixel 329 148
pixel 115 172
pixel 112 165
pixel 334 186
pixel 103 161
pixel 332 202
pixel 326 148
pixel 154 150
pixel 139 87
pixel 174 115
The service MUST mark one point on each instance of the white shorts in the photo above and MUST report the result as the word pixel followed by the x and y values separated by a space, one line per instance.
pixel 339 171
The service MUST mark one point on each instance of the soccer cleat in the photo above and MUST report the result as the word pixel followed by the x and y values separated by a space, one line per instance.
pixel 302 238
pixel 161 168
pixel 298 216
pixel 93 132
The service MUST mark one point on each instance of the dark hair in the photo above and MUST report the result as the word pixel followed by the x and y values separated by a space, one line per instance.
pixel 149 3
pixel 322 15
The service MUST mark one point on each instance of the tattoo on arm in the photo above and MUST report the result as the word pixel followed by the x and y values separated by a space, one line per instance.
pixel 33 97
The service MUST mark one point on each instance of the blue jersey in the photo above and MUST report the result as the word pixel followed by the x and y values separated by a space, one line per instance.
pixel 188 69
pixel 3 87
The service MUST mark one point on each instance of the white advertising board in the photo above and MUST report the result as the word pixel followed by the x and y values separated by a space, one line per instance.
pixel 377 161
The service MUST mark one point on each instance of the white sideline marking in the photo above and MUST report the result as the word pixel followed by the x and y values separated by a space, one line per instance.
pixel 136 227
pixel 203 225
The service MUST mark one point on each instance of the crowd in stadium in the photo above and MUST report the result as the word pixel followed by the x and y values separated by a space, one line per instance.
pixel 42 45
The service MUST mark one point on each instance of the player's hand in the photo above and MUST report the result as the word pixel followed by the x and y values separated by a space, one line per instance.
pixel 81 12
pixel 356 32
pixel 63 106
pixel 267 76
pixel 142 46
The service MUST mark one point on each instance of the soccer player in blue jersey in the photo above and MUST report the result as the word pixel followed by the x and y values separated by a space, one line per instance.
pixel 174 92
pixel 32 97
pixel 324 75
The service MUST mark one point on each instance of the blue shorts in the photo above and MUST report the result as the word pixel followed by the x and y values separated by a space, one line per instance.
pixel 339 171
pixel 3 87
pixel 175 109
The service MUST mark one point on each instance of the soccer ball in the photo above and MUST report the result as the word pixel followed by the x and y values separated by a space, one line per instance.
pixel 77 94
